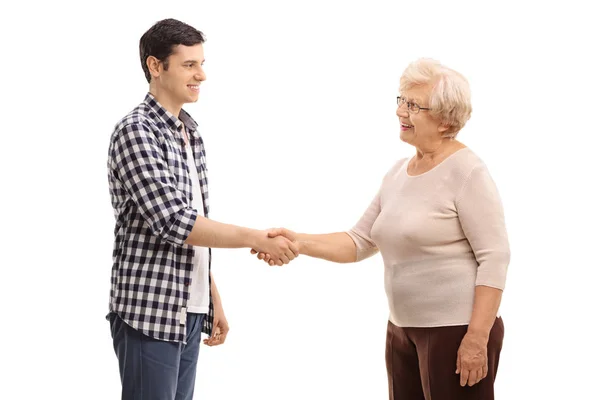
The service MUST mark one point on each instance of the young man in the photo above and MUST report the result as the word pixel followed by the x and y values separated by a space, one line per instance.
pixel 162 294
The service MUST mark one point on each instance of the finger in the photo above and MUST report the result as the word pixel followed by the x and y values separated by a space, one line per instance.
pixel 261 256
pixel 485 370
pixel 252 251
pixel 479 375
pixel 464 376
pixel 209 342
pixel 267 257
pixel 472 378
pixel 457 364
pixel 288 234
pixel 216 337
pixel 295 249
pixel 290 255
pixel 280 263
pixel 274 232
pixel 285 259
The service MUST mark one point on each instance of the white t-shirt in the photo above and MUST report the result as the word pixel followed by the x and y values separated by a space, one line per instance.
pixel 199 290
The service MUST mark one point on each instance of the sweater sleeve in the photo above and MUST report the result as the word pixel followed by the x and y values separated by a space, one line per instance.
pixel 481 215
pixel 361 232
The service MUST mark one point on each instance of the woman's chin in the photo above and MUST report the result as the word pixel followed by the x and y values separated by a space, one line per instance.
pixel 405 137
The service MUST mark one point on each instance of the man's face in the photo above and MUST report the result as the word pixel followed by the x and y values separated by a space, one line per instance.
pixel 181 81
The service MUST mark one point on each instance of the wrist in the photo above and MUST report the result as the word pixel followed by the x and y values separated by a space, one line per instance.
pixel 254 239
pixel 302 246
pixel 478 332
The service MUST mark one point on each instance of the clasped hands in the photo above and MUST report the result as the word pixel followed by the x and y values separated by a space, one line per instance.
pixel 278 247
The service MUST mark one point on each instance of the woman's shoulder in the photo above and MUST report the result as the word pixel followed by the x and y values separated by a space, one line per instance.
pixel 397 166
pixel 465 162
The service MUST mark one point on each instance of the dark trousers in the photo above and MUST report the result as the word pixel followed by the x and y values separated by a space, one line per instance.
pixel 151 369
pixel 421 363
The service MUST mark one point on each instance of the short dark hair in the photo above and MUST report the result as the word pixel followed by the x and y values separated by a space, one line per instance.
pixel 162 37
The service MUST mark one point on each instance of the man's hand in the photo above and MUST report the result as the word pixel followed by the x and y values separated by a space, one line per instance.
pixel 280 249
pixel 220 328
pixel 472 359
pixel 274 233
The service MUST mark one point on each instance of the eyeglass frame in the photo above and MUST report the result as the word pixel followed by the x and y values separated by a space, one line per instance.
pixel 419 108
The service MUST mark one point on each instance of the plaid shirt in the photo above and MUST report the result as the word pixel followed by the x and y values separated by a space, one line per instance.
pixel 151 195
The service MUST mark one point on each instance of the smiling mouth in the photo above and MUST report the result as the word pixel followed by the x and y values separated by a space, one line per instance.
pixel 407 126
pixel 194 87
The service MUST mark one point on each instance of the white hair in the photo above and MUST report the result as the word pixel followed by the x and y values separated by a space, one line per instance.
pixel 450 99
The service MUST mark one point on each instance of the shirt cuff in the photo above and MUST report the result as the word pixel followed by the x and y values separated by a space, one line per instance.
pixel 182 226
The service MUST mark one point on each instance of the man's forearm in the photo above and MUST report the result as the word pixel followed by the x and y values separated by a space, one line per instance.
pixel 336 247
pixel 485 310
pixel 209 233
pixel 216 297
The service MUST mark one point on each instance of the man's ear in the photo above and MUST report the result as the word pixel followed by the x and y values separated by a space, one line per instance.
pixel 154 66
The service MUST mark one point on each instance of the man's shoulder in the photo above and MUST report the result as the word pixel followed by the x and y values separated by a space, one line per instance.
pixel 140 120
pixel 141 115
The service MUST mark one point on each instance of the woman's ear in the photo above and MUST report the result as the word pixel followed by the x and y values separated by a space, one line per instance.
pixel 443 128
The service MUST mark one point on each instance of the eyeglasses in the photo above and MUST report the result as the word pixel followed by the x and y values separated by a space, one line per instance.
pixel 412 107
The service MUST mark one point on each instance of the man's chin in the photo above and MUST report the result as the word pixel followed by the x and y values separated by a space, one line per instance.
pixel 193 99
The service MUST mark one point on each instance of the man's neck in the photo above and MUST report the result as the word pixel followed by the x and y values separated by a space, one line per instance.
pixel 184 133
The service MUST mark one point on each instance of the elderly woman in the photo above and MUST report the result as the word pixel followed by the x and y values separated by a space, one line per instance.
pixel 438 222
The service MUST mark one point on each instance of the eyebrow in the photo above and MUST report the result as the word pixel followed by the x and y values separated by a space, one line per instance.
pixel 413 100
pixel 191 61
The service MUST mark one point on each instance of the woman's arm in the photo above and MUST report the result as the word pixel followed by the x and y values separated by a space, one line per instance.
pixel 485 310
pixel 481 216
pixel 341 247
pixel 336 247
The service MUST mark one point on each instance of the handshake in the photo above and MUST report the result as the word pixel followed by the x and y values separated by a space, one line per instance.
pixel 278 247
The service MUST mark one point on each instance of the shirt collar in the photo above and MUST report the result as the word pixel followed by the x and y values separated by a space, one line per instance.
pixel 169 119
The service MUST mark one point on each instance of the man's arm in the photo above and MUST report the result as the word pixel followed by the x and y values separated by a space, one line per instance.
pixel 138 164
pixel 220 324
pixel 209 233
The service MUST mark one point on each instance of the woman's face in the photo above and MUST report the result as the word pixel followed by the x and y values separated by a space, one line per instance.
pixel 417 126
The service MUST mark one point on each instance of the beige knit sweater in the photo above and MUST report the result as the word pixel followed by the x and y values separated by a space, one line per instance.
pixel 440 234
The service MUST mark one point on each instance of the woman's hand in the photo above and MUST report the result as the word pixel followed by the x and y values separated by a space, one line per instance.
pixel 273 233
pixel 472 360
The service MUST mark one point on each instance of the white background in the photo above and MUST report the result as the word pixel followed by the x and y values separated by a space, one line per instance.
pixel 298 115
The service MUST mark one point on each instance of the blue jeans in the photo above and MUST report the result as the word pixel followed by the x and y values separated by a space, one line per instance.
pixel 152 369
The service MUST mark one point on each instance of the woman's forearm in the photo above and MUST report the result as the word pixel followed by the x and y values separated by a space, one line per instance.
pixel 485 310
pixel 336 247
